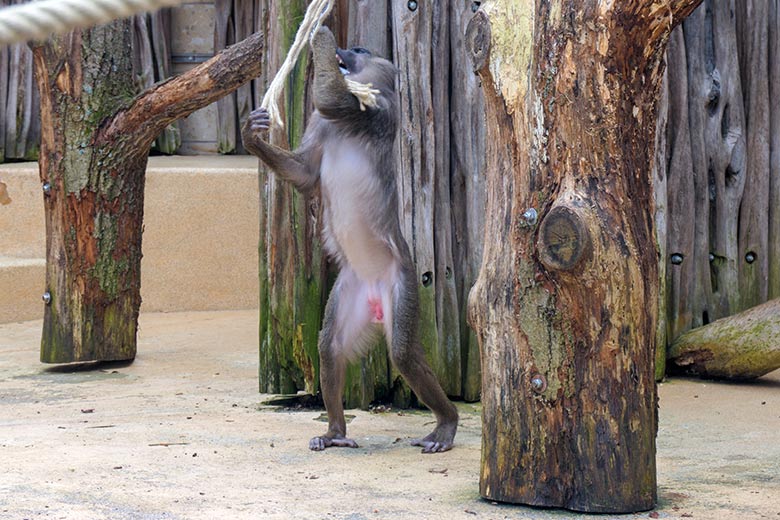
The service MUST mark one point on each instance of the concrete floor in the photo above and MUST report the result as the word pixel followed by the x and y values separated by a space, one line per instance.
pixel 180 434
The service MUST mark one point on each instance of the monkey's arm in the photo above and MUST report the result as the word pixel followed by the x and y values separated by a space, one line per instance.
pixel 332 98
pixel 300 168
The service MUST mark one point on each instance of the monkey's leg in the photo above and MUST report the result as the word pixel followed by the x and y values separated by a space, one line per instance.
pixel 408 356
pixel 347 318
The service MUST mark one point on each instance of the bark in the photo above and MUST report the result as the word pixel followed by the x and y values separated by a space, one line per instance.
pixel 94 149
pixel 292 266
pixel 565 305
pixel 742 346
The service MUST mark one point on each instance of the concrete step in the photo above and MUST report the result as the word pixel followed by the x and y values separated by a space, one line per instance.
pixel 21 288
pixel 201 229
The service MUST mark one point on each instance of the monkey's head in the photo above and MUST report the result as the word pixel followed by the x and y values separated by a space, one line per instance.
pixel 362 66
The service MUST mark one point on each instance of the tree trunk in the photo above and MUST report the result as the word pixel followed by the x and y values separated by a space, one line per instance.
pixel 94 148
pixel 292 267
pixel 565 306
pixel 743 346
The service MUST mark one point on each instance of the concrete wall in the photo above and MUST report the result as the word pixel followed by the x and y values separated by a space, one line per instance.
pixel 200 237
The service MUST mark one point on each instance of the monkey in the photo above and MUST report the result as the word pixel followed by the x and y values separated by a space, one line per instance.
pixel 347 151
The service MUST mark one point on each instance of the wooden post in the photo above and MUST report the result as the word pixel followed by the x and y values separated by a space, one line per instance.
pixel 565 306
pixel 94 146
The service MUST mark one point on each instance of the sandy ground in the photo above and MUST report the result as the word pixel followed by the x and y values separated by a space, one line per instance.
pixel 180 434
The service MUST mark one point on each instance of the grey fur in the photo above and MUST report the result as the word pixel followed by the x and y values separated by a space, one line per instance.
pixel 350 154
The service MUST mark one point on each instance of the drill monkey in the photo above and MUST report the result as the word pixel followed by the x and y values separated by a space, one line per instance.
pixel 349 150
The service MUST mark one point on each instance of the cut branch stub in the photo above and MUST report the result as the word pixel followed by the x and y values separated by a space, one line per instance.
pixel 564 240
pixel 478 37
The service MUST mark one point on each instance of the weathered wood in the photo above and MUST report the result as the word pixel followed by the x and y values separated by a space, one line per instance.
pixel 661 214
pixel 95 160
pixel 467 165
pixel 419 31
pixel 742 346
pixel 566 328
pixel 293 254
pixel 774 145
pixel 754 209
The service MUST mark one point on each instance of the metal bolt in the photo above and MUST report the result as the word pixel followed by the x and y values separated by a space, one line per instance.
pixel 538 383
pixel 712 257
pixel 530 216
pixel 448 273
pixel 47 188
pixel 475 6
pixel 427 278
pixel 750 257
pixel 677 258
pixel 47 297
pixel 412 5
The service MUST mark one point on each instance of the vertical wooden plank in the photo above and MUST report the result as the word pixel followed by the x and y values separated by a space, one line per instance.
pixel 753 223
pixel 244 26
pixel 467 120
pixel 224 35
pixel 160 31
pixel 4 72
pixel 661 216
pixel 293 251
pixel 680 183
pixel 413 24
pixel 774 144
pixel 447 322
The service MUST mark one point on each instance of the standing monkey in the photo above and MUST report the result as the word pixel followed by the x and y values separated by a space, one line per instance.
pixel 348 150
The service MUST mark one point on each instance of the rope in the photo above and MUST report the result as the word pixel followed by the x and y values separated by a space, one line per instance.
pixel 38 20
pixel 317 11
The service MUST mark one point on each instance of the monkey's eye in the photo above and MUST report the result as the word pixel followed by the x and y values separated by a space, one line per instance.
pixel 360 50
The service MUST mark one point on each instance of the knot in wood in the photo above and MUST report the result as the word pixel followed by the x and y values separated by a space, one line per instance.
pixel 564 239
pixel 478 37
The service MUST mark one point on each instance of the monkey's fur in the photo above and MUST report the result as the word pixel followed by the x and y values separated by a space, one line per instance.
pixel 349 152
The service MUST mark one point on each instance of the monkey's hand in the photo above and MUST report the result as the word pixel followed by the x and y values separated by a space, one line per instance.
pixel 323 46
pixel 256 124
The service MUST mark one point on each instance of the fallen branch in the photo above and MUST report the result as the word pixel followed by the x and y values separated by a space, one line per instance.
pixel 743 346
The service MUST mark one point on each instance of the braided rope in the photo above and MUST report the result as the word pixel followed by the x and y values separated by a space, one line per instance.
pixel 38 20
pixel 317 11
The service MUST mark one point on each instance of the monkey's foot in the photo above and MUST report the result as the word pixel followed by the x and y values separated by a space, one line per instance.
pixel 439 440
pixel 322 442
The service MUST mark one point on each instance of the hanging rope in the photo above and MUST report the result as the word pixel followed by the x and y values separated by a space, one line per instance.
pixel 317 11
pixel 38 20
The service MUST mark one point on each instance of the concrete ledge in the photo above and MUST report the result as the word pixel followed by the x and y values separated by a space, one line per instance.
pixel 21 288
pixel 201 228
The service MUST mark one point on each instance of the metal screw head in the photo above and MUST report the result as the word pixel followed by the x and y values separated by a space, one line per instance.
pixel 712 257
pixel 676 258
pixel 538 383
pixel 412 5
pixel 530 216
pixel 750 257
pixel 46 188
pixel 47 298
pixel 475 6
pixel 427 278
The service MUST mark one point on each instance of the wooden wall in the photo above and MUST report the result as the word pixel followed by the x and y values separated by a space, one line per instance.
pixel 719 172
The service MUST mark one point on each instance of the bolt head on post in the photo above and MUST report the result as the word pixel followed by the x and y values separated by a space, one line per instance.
pixel 46 188
pixel 46 298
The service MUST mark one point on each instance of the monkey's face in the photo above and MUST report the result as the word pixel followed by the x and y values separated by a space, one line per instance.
pixel 352 61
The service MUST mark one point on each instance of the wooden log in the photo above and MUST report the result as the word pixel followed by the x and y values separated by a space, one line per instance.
pixel 292 267
pixel 565 303
pixel 742 346
pixel 660 172
pixel 95 161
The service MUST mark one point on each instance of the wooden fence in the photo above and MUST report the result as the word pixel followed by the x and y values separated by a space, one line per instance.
pixel 717 173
